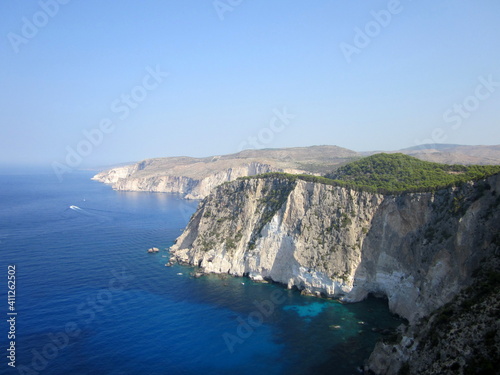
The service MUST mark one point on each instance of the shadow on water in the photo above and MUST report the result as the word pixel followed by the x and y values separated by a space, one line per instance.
pixel 319 336
pixel 372 324
pixel 159 319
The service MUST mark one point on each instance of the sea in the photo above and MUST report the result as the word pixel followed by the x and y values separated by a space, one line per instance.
pixel 81 294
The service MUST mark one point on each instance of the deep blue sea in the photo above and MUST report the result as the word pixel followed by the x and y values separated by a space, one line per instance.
pixel 91 300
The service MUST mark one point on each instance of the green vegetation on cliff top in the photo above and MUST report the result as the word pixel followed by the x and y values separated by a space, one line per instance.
pixel 396 173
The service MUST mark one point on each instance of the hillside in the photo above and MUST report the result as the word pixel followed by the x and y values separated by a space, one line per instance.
pixel 455 154
pixel 461 337
pixel 194 178
pixel 420 250
pixel 402 173
pixel 393 174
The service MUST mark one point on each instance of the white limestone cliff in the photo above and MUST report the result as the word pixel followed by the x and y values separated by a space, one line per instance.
pixel 130 178
pixel 195 178
pixel 417 249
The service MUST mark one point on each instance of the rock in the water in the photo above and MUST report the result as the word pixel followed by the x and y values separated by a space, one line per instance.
pixel 417 249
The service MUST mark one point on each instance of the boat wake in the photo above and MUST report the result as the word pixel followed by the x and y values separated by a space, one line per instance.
pixel 89 212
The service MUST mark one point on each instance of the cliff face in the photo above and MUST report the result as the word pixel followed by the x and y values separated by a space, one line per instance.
pixel 130 178
pixel 419 250
pixel 114 175
pixel 196 177
pixel 461 337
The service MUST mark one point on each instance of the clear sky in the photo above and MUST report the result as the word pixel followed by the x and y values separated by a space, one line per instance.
pixel 118 81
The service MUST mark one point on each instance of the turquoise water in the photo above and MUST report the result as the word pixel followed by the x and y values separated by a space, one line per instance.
pixel 90 300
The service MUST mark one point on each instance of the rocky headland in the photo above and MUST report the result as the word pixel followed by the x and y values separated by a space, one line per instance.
pixel 420 250
pixel 424 236
pixel 194 178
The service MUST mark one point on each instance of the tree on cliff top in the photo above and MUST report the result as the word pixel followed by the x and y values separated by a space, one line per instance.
pixel 399 173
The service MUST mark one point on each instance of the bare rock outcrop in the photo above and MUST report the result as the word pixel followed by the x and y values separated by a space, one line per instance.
pixel 194 178
pixel 419 249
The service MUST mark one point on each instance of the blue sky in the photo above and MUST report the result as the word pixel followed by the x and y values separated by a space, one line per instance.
pixel 226 70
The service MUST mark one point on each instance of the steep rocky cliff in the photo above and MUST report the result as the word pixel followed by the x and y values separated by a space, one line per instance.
pixel 461 337
pixel 196 177
pixel 419 250
pixel 129 178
